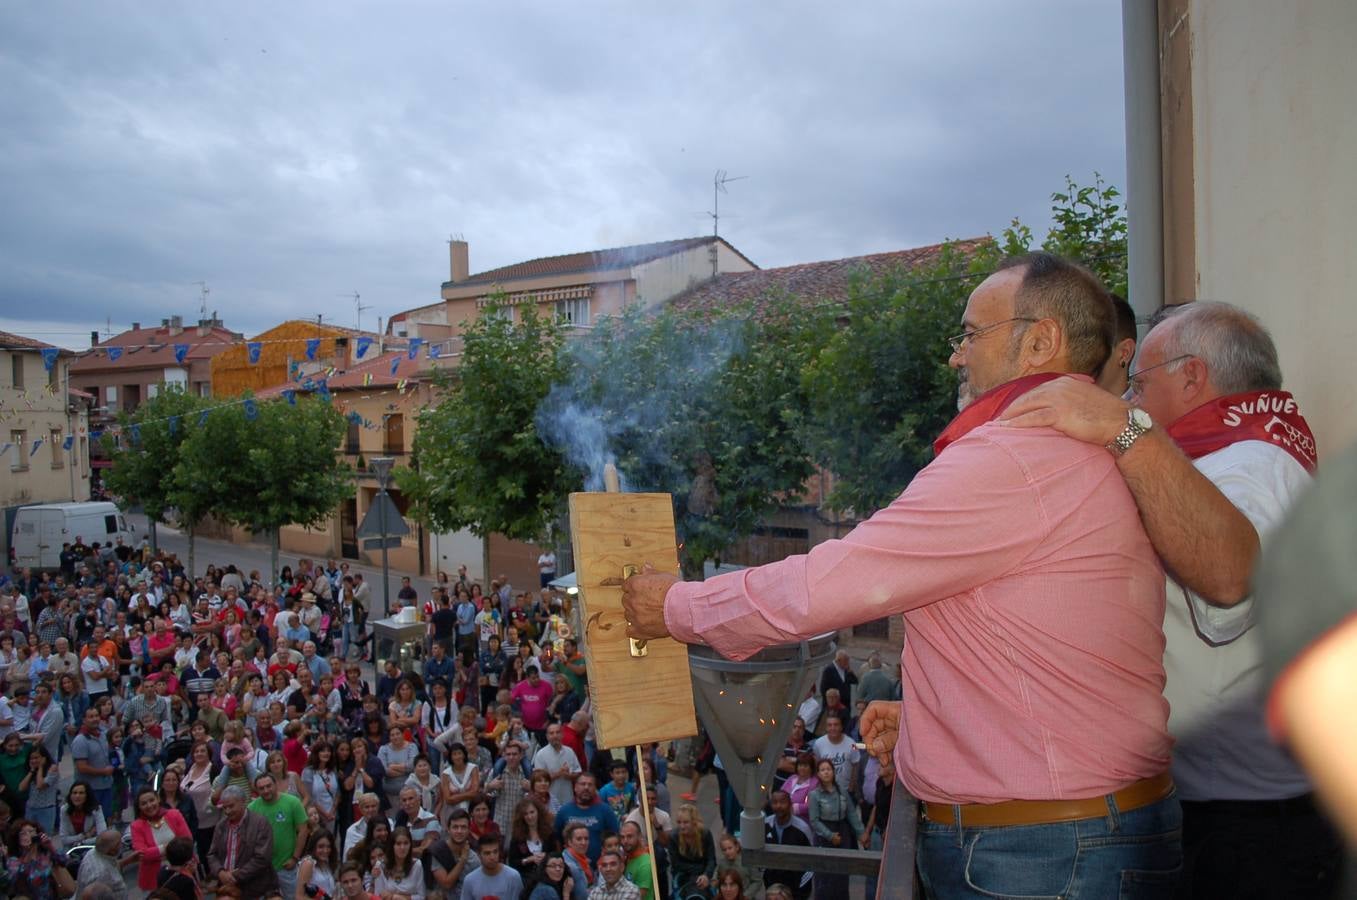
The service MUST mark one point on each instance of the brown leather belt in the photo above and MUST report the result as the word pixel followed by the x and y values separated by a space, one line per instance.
pixel 1044 812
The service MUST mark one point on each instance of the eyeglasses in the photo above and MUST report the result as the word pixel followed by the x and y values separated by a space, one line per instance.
pixel 959 340
pixel 1135 384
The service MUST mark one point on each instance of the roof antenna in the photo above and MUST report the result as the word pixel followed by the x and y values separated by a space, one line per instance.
pixel 718 187
pixel 202 304
pixel 358 308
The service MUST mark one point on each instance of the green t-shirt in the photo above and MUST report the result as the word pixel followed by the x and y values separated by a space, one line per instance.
pixel 286 816
pixel 638 873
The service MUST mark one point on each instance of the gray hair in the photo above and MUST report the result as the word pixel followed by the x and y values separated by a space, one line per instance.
pixel 234 792
pixel 1236 348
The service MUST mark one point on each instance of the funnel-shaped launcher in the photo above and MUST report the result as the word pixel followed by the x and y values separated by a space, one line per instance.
pixel 642 691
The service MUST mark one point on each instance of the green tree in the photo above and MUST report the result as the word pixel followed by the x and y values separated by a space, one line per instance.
pixel 881 390
pixel 145 453
pixel 702 409
pixel 263 465
pixel 479 461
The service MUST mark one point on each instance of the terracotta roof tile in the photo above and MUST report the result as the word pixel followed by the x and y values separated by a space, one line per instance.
pixel 154 348
pixel 815 282
pixel 10 341
pixel 587 261
pixel 379 367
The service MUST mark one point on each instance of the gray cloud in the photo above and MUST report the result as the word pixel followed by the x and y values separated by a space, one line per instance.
pixel 292 153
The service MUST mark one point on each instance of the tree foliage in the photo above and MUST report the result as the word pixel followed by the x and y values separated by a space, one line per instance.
pixel 143 466
pixel 263 465
pixel 880 391
pixel 703 409
pixel 480 461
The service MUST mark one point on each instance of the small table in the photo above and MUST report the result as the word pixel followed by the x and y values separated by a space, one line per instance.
pixel 398 641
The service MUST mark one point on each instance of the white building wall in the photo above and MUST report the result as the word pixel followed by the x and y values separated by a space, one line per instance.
pixel 456 548
pixel 659 280
pixel 1275 138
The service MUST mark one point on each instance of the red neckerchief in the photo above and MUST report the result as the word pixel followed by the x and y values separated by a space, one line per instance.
pixel 987 407
pixel 584 865
pixel 1270 416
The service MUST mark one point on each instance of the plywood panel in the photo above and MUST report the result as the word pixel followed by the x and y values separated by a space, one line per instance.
pixel 636 699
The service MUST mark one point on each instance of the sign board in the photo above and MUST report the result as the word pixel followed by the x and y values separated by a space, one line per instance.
pixel 371 526
pixel 636 699
pixel 377 543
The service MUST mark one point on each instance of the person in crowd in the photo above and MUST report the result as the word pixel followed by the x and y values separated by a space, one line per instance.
pixel 321 785
pixel 39 784
pixel 241 857
pixel 397 757
pixel 694 853
pixel 730 884
pixel 152 830
pixel 493 878
pixel 783 829
pixel 836 821
pixel 461 779
pixel 636 854
pixel 290 826
pixel 179 876
pixel 454 859
pixel 587 809
pixel 612 881
pixel 576 856
pixel 103 865
pixel 82 819
pixel 558 761
pixel 554 881
pixel 318 869
pixel 173 796
pixel 197 784
pixel 35 867
pixel 399 873
pixel 422 824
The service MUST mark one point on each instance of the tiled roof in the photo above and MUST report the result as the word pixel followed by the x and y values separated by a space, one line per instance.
pixel 19 342
pixel 588 261
pixel 154 348
pixel 353 378
pixel 810 282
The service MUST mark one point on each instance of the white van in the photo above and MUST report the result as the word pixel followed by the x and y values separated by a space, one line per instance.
pixel 39 531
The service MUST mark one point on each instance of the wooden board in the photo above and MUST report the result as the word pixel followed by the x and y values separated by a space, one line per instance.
pixel 636 700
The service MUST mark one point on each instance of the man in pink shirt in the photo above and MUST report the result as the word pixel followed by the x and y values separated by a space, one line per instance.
pixel 533 696
pixel 1033 718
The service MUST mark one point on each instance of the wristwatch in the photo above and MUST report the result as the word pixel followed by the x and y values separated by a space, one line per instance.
pixel 1137 423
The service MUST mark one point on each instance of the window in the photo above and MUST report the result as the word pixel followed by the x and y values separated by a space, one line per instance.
pixel 152 390
pixel 506 313
pixel 19 461
pixel 573 312
pixel 54 439
pixel 111 396
pixel 54 376
pixel 351 441
pixel 84 458
pixel 110 524
pixel 16 362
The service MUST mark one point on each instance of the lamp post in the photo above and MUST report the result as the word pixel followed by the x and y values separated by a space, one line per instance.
pixel 381 467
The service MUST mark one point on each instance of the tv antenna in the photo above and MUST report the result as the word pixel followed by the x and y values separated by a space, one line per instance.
pixel 358 308
pixel 718 187
pixel 202 303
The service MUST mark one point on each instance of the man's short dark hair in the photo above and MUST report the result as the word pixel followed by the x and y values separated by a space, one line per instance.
pixel 179 851
pixel 1125 327
pixel 489 840
pixel 1055 288
pixel 457 814
pixel 617 764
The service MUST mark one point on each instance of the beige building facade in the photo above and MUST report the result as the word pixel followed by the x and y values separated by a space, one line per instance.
pixel 44 429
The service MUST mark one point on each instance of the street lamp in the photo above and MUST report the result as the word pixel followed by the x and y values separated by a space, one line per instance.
pixel 749 708
pixel 381 467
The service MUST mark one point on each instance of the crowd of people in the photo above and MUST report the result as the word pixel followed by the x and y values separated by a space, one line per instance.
pixel 224 740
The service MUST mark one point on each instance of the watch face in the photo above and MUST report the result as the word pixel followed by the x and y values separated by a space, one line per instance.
pixel 1141 418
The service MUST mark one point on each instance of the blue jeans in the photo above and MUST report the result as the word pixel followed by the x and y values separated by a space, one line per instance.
pixel 1131 855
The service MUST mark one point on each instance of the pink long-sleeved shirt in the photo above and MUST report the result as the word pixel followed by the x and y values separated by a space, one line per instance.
pixel 1033 606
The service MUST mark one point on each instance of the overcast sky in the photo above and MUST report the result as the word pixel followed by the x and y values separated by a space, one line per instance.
pixel 290 154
